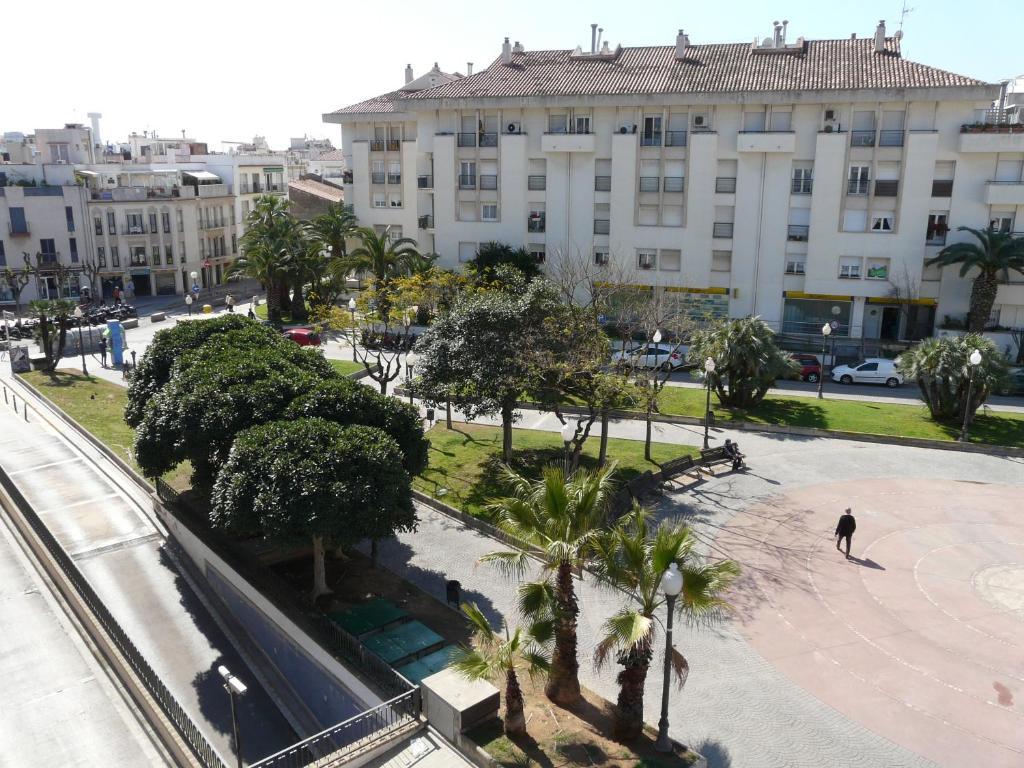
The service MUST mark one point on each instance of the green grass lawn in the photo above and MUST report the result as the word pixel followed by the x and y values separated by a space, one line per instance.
pixel 850 416
pixel 346 367
pixel 98 406
pixel 465 460
pixel 261 313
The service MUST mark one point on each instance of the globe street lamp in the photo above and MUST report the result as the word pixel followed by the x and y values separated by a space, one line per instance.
pixel 81 345
pixel 671 586
pixel 352 309
pixel 234 687
pixel 826 331
pixel 195 282
pixel 568 432
pixel 975 361
pixel 709 369
pixel 188 303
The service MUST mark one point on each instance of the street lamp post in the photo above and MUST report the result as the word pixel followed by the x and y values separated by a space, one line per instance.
pixel 188 303
pixel 234 687
pixel 671 586
pixel 709 369
pixel 352 309
pixel 826 331
pixel 409 367
pixel 81 345
pixel 568 432
pixel 975 361
pixel 195 283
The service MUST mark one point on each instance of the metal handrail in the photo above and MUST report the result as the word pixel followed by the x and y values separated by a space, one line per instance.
pixel 890 138
pixel 376 145
pixel 862 138
pixel 357 732
pixel 798 233
pixel 802 186
pixel 467 181
pixel 394 178
pixel 675 138
pixel 466 139
pixel 857 187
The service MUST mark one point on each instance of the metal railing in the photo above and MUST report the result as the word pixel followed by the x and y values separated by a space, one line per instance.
pixel 426 221
pixel 857 187
pixel 649 183
pixel 722 229
pixel 467 181
pixel 602 226
pixel 394 178
pixel 862 138
pixel 488 181
pixel 252 189
pixel 675 138
pixel 725 184
pixel 138 261
pixel 350 735
pixel 935 238
pixel 797 233
pixel 890 138
pixel 425 181
pixel 535 224
pixel 376 145
pixel 602 183
pixel 188 730
pixel 536 183
pixel 673 183
pixel 377 177
pixel 886 188
pixel 650 139
pixel 134 229
pixel 488 139
pixel 393 145
pixel 465 139
pixel 802 186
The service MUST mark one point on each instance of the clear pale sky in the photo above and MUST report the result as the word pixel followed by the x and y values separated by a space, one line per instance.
pixel 225 71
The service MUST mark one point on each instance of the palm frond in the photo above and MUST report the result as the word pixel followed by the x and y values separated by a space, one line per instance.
pixel 510 564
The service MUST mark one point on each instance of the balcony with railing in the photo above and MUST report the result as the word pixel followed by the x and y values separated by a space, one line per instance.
pixel 675 138
pixel 862 138
pixel 536 183
pixel 797 233
pixel 887 188
pixel 377 145
pixel 722 229
pixel 467 181
pixel 725 184
pixel 802 186
pixel 393 145
pixel 20 230
pixel 535 223
pixel 650 183
pixel 673 183
pixel 394 178
pixel 942 188
pixel 378 177
pixel 426 222
pixel 138 260
pixel 466 139
pixel 857 187
pixel 996 134
pixel 134 228
pixel 488 139
pixel 425 181
pixel 650 139
pixel 602 183
pixel 211 224
pixel 252 189
pixel 602 226
pixel 212 190
pixel 890 138
pixel 1009 193
pixel 488 181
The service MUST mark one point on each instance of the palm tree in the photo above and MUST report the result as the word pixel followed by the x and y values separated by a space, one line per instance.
pixel 522 650
pixel 381 255
pixel 271 241
pixel 558 520
pixel 994 255
pixel 335 228
pixel 632 558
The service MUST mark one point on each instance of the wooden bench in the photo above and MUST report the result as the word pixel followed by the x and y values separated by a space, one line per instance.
pixel 676 467
pixel 711 456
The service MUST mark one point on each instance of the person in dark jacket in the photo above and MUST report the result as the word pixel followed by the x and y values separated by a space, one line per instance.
pixel 103 351
pixel 844 530
pixel 732 450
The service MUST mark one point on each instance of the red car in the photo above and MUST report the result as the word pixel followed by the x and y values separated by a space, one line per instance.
pixel 810 368
pixel 304 337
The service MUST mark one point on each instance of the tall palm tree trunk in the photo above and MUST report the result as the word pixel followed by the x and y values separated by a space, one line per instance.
pixel 515 716
pixel 629 708
pixel 602 455
pixel 284 296
pixel 273 301
pixel 563 686
pixel 299 313
pixel 983 296
pixel 507 412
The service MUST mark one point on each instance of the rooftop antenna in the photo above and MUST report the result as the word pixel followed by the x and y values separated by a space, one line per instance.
pixel 904 10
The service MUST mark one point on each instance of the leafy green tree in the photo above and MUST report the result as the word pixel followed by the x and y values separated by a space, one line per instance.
pixel 559 520
pixel 345 402
pixel 484 266
pixel 494 655
pixel 16 280
pixel 942 370
pixel 271 241
pixel 477 353
pixel 168 346
pixel 994 255
pixel 312 479
pixel 54 318
pixel 214 394
pixel 631 558
pixel 747 359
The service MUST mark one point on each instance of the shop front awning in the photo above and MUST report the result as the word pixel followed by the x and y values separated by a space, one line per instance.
pixel 202 176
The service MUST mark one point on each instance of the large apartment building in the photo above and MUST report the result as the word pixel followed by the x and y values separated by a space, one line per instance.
pixel 801 181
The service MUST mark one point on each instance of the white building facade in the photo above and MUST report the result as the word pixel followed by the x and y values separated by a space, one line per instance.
pixel 802 182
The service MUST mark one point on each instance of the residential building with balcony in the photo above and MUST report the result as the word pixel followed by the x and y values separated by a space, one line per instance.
pixel 800 181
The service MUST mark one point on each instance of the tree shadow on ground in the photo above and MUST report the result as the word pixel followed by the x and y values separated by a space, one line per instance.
pixel 716 753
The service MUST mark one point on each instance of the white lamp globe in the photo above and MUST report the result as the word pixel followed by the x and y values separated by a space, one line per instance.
pixel 568 430
pixel 194 275
pixel 656 338
pixel 826 329
pixel 709 365
pixel 351 305
pixel 78 313
pixel 975 357
pixel 672 581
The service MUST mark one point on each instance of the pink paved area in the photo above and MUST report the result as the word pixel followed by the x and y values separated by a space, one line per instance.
pixel 919 637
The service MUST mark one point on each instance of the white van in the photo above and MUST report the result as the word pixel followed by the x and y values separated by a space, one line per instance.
pixel 873 370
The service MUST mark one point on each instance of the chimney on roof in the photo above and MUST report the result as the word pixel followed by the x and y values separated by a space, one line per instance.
pixel 880 37
pixel 506 53
pixel 593 38
pixel 518 48
pixel 776 34
pixel 408 73
pixel 785 23
pixel 680 45
pixel 469 68
pixel 853 35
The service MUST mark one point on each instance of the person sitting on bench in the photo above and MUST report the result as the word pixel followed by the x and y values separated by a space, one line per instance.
pixel 732 450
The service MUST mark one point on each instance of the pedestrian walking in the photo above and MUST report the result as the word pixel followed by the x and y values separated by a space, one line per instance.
pixel 229 302
pixel 251 314
pixel 844 530
pixel 103 351
pixel 129 289
pixel 117 295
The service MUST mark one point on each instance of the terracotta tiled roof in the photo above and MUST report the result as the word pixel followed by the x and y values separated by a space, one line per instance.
pixel 334 154
pixel 313 187
pixel 384 104
pixel 718 68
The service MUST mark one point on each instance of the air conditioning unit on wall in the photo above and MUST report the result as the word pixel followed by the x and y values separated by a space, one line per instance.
pixel 513 127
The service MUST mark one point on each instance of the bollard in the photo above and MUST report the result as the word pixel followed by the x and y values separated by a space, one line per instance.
pixel 24 410
pixel 5 396
pixel 14 397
